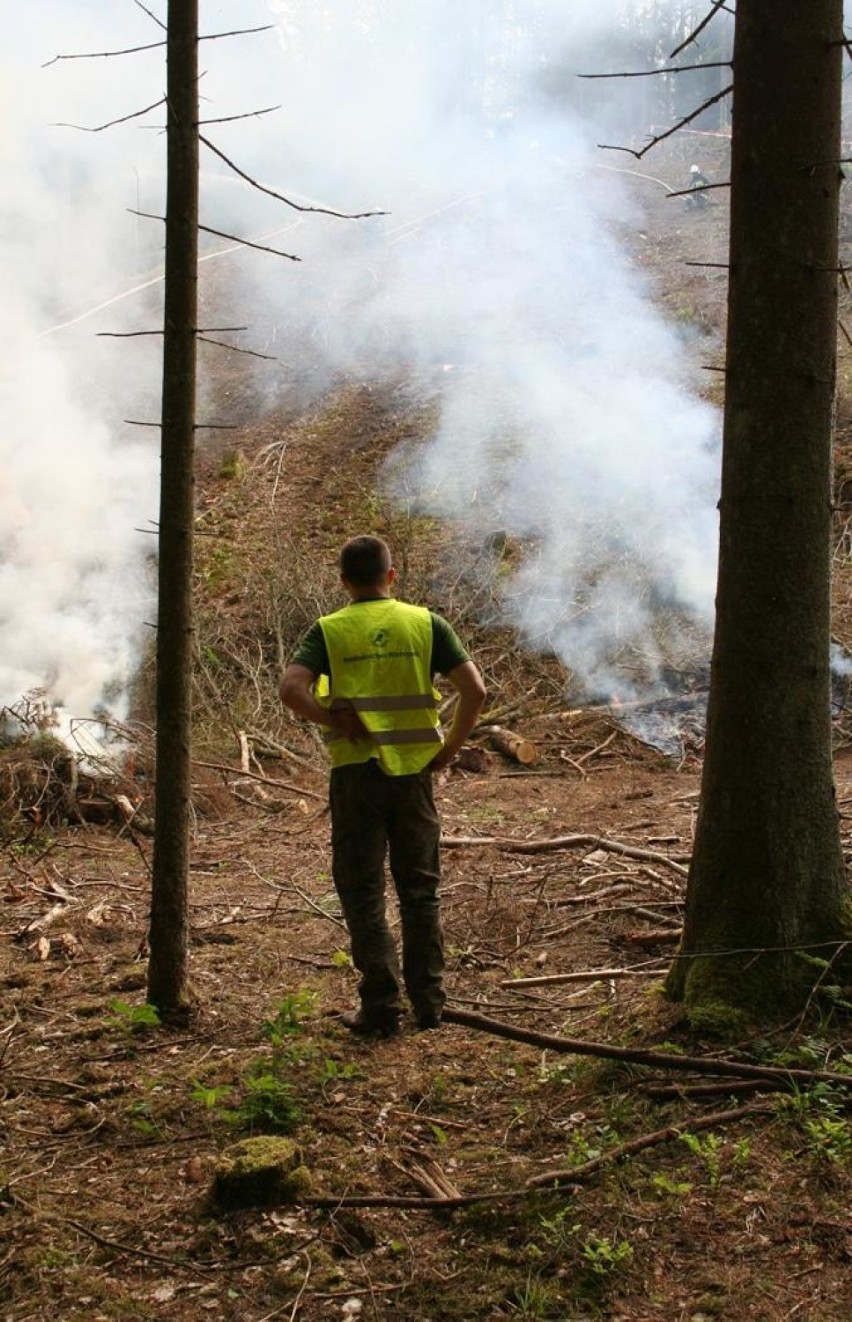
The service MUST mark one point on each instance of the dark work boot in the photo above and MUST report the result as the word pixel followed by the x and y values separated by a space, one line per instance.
pixel 386 1025
pixel 427 1016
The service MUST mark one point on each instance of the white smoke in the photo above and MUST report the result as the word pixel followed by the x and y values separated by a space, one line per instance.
pixel 570 417
pixel 78 485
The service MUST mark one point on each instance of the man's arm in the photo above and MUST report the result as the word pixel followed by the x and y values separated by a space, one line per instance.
pixel 467 682
pixel 295 692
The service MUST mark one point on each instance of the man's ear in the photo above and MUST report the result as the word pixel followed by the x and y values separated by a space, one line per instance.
pixel 391 575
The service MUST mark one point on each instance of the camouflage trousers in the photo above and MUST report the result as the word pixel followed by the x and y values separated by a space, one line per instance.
pixel 374 815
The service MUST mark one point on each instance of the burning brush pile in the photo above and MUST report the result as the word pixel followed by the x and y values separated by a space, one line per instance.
pixel 56 770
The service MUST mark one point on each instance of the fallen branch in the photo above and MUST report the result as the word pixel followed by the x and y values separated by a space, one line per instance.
pixel 264 780
pixel 629 1149
pixel 672 1092
pixel 569 1176
pixel 635 1056
pixel 564 842
pixel 588 975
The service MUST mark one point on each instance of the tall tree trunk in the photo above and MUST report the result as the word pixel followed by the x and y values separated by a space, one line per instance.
pixel 767 872
pixel 167 969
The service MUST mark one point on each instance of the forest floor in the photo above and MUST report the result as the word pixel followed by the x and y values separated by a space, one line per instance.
pixel 678 1193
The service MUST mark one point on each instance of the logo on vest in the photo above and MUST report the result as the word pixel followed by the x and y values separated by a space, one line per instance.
pixel 379 638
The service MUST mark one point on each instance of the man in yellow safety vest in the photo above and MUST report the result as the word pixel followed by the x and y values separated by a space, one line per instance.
pixel 364 673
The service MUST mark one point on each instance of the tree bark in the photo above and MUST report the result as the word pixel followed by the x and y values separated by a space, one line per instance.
pixel 167 970
pixel 767 871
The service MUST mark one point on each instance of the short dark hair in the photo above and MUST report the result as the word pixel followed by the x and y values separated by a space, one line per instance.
pixel 364 561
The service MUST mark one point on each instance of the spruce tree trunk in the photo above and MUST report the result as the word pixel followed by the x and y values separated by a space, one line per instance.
pixel 767 871
pixel 167 969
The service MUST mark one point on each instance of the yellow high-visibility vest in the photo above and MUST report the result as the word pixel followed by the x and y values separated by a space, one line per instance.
pixel 379 655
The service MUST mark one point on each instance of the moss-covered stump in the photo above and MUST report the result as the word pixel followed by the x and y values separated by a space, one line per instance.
pixel 260 1172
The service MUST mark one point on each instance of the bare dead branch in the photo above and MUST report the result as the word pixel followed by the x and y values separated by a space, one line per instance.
pixel 135 50
pixel 247 243
pixel 844 332
pixel 145 215
pixel 249 114
pixel 216 426
pixel 661 137
pixel 702 188
pixel 655 73
pixel 137 114
pixel 722 266
pixel 253 353
pixel 270 192
pixel 132 422
pixel 124 335
pixel 708 18
pixel 200 330
pixel 237 32
pixel 104 54
pixel 151 14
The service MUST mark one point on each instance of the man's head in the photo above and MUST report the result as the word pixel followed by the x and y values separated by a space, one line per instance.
pixel 365 564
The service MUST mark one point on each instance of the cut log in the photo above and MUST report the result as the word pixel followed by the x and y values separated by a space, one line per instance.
pixel 513 745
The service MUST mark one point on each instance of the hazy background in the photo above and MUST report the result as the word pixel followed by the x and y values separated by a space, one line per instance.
pixel 569 409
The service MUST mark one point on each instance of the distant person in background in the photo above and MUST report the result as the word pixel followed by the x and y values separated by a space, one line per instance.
pixel 364 673
pixel 698 200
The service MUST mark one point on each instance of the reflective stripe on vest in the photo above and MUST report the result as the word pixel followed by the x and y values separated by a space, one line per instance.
pixel 379 657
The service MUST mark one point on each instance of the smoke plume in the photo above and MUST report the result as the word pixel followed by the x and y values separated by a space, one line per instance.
pixel 569 409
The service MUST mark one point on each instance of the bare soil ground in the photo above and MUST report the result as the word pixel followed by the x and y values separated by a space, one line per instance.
pixel 690 1196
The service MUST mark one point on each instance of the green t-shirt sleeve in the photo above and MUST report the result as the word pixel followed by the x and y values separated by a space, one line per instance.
pixel 447 649
pixel 312 651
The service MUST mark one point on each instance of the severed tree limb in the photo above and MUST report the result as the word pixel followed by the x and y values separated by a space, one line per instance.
pixel 564 842
pixel 635 1056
